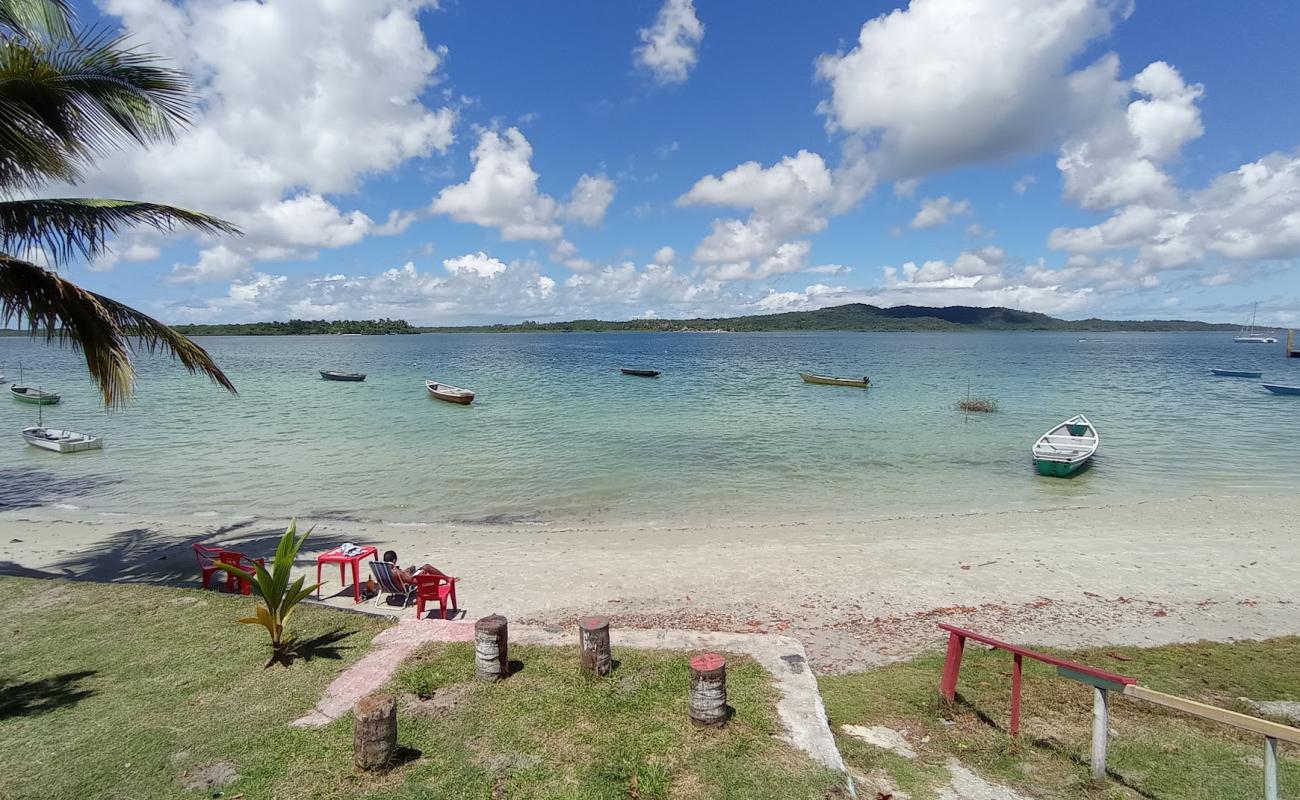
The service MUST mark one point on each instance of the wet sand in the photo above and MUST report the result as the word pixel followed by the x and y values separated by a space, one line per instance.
pixel 858 594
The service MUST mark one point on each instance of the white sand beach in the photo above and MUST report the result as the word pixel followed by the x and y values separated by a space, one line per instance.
pixel 857 594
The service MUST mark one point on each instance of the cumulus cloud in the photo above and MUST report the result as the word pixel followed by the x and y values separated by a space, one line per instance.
pixel 589 200
pixel 670 46
pixel 936 212
pixel 288 114
pixel 950 82
pixel 1023 183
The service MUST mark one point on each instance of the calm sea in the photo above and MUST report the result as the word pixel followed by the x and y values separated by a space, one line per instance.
pixel 729 433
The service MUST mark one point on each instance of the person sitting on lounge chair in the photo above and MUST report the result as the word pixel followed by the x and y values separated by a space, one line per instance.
pixel 406 577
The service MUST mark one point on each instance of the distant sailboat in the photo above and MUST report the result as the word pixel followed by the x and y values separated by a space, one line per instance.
pixel 1249 335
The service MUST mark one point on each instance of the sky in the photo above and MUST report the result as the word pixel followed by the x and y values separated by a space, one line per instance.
pixel 464 162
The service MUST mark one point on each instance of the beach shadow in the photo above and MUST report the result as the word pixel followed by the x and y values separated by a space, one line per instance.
pixel 325 646
pixel 145 555
pixel 39 696
pixel 33 488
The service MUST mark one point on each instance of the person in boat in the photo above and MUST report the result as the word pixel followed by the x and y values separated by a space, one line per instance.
pixel 406 577
pixel 866 379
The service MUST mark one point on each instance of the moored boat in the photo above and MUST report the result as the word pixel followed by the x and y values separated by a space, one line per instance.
pixel 452 394
pixel 60 441
pixel 1250 335
pixel 1236 373
pixel 640 373
pixel 1066 448
pixel 1277 388
pixel 331 375
pixel 35 396
pixel 827 380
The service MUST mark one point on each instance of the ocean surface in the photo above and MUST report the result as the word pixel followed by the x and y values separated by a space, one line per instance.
pixel 559 437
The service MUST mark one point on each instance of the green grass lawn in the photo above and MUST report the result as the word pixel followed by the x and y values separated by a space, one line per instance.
pixel 1154 753
pixel 122 691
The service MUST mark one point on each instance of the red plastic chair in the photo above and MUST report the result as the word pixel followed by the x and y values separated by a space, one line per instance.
pixel 237 559
pixel 430 586
pixel 207 558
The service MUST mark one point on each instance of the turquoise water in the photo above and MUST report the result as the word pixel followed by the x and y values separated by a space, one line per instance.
pixel 729 433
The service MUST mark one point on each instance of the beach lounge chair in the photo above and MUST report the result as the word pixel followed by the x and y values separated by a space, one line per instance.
pixel 389 585
pixel 435 586
pixel 207 558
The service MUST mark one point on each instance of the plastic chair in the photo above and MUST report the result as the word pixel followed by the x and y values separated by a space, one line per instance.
pixel 432 586
pixel 237 559
pixel 207 558
pixel 388 583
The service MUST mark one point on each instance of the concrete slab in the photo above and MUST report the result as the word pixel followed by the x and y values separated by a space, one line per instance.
pixel 799 705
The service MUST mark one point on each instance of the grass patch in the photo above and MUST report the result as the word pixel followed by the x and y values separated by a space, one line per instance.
pixel 121 691
pixel 978 405
pixel 1154 753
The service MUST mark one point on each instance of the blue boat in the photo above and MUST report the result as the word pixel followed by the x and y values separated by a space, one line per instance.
pixel 1236 373
pixel 1278 389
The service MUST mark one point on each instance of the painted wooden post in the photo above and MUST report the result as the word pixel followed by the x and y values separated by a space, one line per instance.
pixel 951 666
pixel 1100 728
pixel 593 636
pixel 491 648
pixel 374 731
pixel 1270 768
pixel 1015 695
pixel 709 690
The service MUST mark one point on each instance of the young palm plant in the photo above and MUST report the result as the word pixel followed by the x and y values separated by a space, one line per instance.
pixel 278 595
pixel 66 99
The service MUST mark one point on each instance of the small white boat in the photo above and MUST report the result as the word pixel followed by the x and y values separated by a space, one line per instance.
pixel 449 393
pixel 1249 335
pixel 61 441
pixel 1066 448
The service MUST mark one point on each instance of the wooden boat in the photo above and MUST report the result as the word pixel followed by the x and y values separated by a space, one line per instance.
pixel 61 441
pixel 640 373
pixel 1276 388
pixel 1066 448
pixel 862 382
pixel 35 396
pixel 1236 373
pixel 452 394
pixel 331 375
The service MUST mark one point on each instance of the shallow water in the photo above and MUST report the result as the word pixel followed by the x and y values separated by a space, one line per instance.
pixel 729 433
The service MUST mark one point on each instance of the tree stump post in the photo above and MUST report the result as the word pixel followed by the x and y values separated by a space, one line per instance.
pixel 374 731
pixel 593 636
pixel 491 643
pixel 709 690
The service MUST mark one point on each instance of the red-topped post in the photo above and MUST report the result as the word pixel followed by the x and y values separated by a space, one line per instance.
pixel 709 689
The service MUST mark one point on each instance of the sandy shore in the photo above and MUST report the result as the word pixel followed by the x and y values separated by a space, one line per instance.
pixel 857 594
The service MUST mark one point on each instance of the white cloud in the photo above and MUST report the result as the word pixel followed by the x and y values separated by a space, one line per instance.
pixel 953 82
pixel 129 250
pixel 1116 155
pixel 1023 184
pixel 936 212
pixel 589 200
pixel 665 256
pixel 669 48
pixel 829 269
pixel 289 113
pixel 480 264
pixel 219 263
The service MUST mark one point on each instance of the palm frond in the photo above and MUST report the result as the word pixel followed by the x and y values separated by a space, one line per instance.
pixel 70 227
pixel 106 331
pixel 37 20
pixel 79 97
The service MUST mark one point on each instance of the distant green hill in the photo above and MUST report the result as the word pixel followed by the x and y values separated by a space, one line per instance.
pixel 858 317
pixel 301 327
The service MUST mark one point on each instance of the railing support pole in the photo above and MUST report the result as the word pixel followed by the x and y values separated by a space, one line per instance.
pixel 1015 696
pixel 1270 768
pixel 1100 727
pixel 951 666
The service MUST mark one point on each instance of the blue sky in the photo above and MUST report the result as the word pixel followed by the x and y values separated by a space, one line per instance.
pixel 495 161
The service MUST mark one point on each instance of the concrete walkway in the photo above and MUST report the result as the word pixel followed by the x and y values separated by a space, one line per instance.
pixel 799 707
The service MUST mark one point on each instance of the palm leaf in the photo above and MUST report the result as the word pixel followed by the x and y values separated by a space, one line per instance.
pixel 106 331
pixel 37 19
pixel 69 227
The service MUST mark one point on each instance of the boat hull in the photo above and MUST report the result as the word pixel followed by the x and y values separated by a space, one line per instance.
pixel 1059 469
pixel 342 376
pixel 1236 373
pixel 449 394
pixel 1279 389
pixel 827 380
pixel 57 441
pixel 33 396
pixel 1065 449
pixel 640 373
pixel 1255 340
